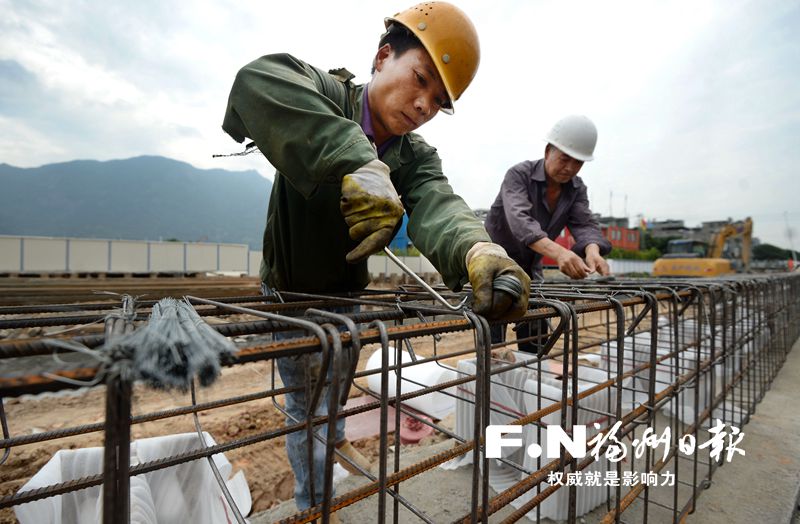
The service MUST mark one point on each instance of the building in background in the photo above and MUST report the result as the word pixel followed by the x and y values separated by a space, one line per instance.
pixel 617 231
pixel 670 228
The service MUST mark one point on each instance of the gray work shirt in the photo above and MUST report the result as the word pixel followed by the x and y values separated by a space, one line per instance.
pixel 520 216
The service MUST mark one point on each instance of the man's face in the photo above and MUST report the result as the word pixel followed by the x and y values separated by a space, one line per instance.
pixel 404 93
pixel 559 166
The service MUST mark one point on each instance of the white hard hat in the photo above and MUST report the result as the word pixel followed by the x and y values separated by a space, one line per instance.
pixel 575 135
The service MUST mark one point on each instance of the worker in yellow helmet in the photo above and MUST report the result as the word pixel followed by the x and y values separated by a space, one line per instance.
pixel 349 166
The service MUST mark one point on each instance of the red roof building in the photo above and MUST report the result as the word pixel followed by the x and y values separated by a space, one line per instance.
pixel 619 236
pixel 565 239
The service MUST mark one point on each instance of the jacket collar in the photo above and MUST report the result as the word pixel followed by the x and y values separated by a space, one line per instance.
pixel 539 176
pixel 358 104
pixel 400 152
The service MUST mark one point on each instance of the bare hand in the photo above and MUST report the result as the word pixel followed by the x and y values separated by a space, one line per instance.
pixel 597 263
pixel 572 265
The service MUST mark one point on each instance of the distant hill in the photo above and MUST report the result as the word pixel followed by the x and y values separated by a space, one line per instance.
pixel 141 198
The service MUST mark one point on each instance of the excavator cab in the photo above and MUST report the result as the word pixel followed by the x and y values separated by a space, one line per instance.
pixel 686 249
pixel 692 258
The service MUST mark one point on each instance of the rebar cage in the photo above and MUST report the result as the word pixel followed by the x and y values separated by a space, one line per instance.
pixel 671 369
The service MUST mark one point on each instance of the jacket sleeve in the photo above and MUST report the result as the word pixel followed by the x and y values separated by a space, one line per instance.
pixel 440 223
pixel 518 208
pixel 584 227
pixel 290 110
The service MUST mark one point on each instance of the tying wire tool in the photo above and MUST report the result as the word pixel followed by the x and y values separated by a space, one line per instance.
pixel 505 283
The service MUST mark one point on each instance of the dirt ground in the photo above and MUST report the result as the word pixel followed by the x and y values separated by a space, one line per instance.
pixel 268 473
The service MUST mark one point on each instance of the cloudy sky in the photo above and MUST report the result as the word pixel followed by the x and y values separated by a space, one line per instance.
pixel 697 102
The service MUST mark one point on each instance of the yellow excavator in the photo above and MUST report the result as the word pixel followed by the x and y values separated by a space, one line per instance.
pixel 692 258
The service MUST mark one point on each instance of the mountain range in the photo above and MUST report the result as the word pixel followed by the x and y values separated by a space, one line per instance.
pixel 141 198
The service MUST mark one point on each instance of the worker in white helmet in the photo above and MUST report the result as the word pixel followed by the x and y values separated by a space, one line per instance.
pixel 349 165
pixel 538 198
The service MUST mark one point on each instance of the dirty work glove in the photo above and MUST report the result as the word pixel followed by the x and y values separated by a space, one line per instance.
pixel 371 208
pixel 485 262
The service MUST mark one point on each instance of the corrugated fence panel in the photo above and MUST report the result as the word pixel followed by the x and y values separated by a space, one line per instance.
pixel 425 266
pixel 22 254
pixel 44 254
pixel 254 263
pixel 87 255
pixel 377 265
pixel 201 257
pixel 10 254
pixel 622 267
pixel 233 258
pixel 412 263
pixel 31 254
pixel 166 256
pixel 128 256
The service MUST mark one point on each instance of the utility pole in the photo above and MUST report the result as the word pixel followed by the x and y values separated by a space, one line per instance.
pixel 625 208
pixel 610 201
pixel 790 235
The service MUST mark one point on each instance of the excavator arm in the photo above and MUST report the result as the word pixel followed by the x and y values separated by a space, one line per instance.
pixel 743 229
pixel 713 264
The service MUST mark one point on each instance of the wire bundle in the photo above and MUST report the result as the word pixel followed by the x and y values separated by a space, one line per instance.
pixel 176 345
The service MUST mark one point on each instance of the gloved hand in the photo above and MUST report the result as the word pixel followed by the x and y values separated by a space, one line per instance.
pixel 485 262
pixel 371 208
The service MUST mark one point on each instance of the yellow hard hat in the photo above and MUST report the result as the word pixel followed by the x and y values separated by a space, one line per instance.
pixel 449 38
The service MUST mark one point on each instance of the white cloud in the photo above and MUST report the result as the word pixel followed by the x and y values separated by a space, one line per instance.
pixel 18 140
pixel 695 101
pixel 60 69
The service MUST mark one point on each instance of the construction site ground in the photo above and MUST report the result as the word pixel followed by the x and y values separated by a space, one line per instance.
pixel 761 487
pixel 267 470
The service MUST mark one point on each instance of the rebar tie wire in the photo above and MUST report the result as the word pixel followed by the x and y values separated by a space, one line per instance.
pixel 680 384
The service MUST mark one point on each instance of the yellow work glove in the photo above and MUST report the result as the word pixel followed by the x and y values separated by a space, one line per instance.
pixel 371 208
pixel 485 262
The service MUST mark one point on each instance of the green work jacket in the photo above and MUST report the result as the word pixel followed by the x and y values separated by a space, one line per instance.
pixel 306 122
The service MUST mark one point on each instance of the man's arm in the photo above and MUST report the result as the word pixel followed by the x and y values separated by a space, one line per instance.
pixel 440 223
pixel 287 107
pixel 446 231
pixel 517 205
